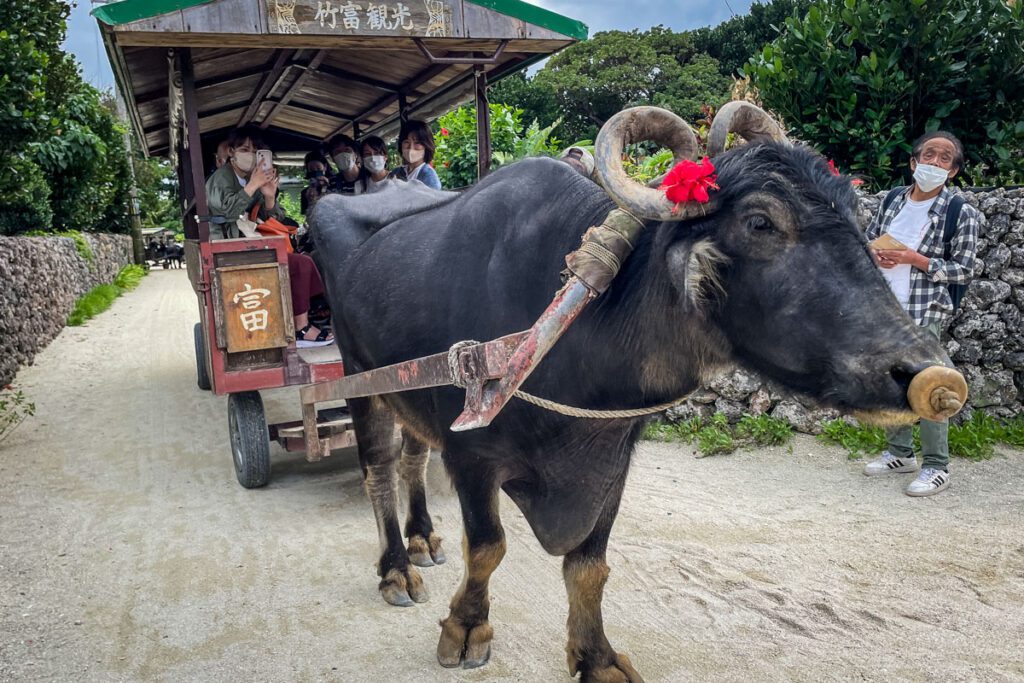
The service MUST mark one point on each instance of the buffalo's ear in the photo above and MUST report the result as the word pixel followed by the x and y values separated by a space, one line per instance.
pixel 695 269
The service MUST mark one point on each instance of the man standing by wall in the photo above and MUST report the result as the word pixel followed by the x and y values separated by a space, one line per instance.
pixel 928 277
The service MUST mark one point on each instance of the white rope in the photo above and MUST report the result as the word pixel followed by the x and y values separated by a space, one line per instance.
pixel 553 406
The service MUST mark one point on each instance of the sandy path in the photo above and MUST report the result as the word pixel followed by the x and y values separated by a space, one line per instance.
pixel 128 552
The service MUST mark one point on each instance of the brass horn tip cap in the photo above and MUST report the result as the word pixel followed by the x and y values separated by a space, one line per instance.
pixel 943 380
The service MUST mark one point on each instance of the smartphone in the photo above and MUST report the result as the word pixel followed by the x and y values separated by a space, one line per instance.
pixel 265 159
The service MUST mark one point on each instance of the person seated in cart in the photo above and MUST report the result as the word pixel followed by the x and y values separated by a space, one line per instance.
pixel 317 173
pixel 344 153
pixel 416 143
pixel 240 187
pixel 374 152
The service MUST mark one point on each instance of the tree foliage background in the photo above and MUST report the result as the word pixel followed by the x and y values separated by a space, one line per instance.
pixel 65 165
pixel 861 80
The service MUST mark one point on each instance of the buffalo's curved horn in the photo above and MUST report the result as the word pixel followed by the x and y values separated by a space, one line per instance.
pixel 636 125
pixel 748 120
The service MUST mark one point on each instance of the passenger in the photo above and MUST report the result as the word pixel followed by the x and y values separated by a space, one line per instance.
pixel 221 157
pixel 374 152
pixel 240 186
pixel 343 152
pixel 416 143
pixel 319 182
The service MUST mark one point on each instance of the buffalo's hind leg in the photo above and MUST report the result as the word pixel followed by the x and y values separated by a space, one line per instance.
pixel 466 633
pixel 585 572
pixel 424 544
pixel 374 423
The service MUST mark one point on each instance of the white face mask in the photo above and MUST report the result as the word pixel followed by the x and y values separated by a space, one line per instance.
pixel 374 163
pixel 345 161
pixel 245 161
pixel 413 156
pixel 930 177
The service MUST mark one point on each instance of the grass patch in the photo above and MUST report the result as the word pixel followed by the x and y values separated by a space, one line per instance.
pixel 99 298
pixel 716 436
pixel 974 439
pixel 129 277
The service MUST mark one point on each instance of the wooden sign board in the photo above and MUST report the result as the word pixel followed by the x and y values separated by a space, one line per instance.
pixel 252 313
pixel 411 18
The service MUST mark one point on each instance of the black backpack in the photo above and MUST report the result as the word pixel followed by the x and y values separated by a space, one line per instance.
pixel 956 203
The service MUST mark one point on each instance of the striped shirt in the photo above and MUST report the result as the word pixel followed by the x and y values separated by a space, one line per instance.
pixel 929 297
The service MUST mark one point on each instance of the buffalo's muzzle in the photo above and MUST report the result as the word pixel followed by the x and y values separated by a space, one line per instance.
pixel 937 393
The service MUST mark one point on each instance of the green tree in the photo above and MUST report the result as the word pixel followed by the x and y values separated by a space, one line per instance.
pixel 735 41
pixel 536 100
pixel 861 80
pixel 595 79
pixel 31 32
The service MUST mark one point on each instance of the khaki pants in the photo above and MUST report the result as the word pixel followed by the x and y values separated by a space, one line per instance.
pixel 934 435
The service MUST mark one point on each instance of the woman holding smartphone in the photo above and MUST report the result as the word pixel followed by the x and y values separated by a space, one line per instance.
pixel 250 182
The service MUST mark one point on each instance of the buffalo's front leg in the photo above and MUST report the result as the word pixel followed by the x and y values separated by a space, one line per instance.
pixel 424 544
pixel 585 573
pixel 465 633
pixel 374 423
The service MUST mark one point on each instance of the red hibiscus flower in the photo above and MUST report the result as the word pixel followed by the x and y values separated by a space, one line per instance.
pixel 690 181
pixel 444 132
pixel 832 167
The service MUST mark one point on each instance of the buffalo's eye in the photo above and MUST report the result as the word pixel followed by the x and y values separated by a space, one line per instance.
pixel 759 223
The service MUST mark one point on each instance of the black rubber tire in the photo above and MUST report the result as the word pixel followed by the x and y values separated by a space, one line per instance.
pixel 250 441
pixel 202 372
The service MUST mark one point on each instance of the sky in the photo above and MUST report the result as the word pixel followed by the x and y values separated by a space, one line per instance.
pixel 83 39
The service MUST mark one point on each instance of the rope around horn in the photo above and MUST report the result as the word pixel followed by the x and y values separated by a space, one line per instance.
pixel 554 406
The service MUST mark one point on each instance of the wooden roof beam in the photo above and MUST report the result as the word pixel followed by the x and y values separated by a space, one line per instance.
pixel 386 101
pixel 343 75
pixel 313 65
pixel 280 60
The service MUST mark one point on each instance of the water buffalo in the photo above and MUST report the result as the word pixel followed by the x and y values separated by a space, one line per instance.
pixel 772 274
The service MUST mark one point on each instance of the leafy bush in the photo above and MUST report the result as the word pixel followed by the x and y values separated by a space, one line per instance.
pixel 14 407
pixel 24 196
pixel 455 134
pixel 861 80
pixel 764 430
pixel 856 439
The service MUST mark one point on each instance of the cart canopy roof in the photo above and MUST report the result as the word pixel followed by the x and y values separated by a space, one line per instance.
pixel 305 70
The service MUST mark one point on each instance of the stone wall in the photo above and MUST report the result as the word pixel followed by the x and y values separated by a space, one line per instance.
pixel 985 339
pixel 40 280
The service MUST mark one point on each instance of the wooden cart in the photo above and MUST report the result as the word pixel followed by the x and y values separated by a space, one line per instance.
pixel 303 71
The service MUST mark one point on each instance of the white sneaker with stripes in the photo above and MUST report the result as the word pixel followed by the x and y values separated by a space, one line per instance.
pixel 929 482
pixel 890 464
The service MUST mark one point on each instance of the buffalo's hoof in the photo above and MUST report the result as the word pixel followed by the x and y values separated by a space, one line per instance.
pixel 469 647
pixel 426 553
pixel 618 671
pixel 403 589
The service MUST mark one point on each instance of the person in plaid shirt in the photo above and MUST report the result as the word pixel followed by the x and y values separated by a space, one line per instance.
pixel 919 277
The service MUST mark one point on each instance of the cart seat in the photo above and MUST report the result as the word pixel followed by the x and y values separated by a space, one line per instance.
pixel 320 354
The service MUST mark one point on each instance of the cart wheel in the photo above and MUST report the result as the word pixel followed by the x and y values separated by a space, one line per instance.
pixel 250 442
pixel 202 372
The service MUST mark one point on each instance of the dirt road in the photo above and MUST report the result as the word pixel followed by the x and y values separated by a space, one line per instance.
pixel 129 553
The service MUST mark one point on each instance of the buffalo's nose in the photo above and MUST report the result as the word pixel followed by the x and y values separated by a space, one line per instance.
pixel 936 392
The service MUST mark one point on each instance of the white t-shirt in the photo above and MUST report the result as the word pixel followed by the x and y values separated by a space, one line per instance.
pixel 909 227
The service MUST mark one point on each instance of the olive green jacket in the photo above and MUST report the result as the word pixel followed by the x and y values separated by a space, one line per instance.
pixel 226 197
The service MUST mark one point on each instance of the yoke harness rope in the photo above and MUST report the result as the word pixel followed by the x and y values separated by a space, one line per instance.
pixel 554 406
